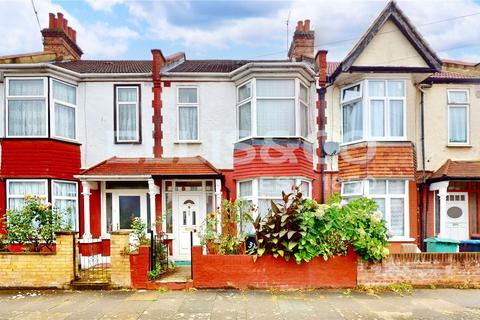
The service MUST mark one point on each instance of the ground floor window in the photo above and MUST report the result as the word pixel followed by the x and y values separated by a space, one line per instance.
pixel 64 196
pixel 391 197
pixel 261 191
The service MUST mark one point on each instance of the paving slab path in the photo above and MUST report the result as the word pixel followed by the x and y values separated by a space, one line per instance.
pixel 231 304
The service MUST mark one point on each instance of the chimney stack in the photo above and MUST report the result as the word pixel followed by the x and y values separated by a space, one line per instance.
pixel 321 66
pixel 302 47
pixel 60 39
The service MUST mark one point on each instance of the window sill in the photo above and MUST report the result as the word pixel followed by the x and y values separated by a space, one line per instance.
pixel 374 140
pixel 401 239
pixel 187 142
pixel 452 145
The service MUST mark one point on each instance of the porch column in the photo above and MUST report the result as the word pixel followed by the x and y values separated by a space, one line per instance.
pixel 153 190
pixel 86 210
pixel 218 203
pixel 442 188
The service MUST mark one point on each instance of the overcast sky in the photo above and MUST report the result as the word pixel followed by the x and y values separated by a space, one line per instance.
pixel 127 29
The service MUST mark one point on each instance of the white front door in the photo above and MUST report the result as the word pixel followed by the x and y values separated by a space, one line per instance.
pixel 456 219
pixel 189 216
pixel 126 206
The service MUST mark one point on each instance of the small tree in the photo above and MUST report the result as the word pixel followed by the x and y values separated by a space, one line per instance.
pixel 35 224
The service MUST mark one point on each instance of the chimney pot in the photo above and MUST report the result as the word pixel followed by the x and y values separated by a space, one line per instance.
pixel 51 20
pixel 299 26
pixel 59 20
pixel 306 25
pixel 65 25
pixel 74 36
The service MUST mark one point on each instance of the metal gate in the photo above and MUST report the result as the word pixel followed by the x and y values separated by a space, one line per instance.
pixel 92 262
pixel 158 252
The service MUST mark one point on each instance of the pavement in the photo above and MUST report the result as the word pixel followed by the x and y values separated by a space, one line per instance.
pixel 230 304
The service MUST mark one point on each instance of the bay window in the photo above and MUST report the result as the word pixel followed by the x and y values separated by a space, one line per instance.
pixel 187 103
pixel 458 116
pixel 260 192
pixel 64 106
pixel 377 114
pixel 127 114
pixel 64 196
pixel 272 108
pixel 26 100
pixel 391 198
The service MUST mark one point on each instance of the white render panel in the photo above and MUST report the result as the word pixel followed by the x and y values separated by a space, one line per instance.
pixel 96 122
pixel 217 117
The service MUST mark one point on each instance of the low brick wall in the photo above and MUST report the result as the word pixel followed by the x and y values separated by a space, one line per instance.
pixel 240 271
pixel 423 269
pixel 40 270
pixel 139 267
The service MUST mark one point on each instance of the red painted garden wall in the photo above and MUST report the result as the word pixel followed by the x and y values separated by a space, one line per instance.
pixel 240 271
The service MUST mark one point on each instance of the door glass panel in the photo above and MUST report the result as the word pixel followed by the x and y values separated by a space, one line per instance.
pixel 129 209
pixel 188 185
pixel 454 212
pixel 108 198
pixel 168 212
pixel 184 217
pixel 194 217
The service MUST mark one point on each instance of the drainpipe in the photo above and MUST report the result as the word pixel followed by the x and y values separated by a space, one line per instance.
pixel 423 185
pixel 321 64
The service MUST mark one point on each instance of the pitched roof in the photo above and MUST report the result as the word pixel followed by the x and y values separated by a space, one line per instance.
pixel 392 12
pixel 220 66
pixel 107 66
pixel 451 170
pixel 450 76
pixel 191 166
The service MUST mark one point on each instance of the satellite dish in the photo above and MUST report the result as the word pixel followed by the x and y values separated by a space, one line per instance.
pixel 331 148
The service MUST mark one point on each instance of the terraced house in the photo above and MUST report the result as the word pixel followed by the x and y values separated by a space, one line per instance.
pixel 166 139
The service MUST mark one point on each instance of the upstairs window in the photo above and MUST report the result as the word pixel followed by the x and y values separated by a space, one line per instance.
pixel 26 100
pixel 64 106
pixel 187 102
pixel 377 114
pixel 273 108
pixel 458 116
pixel 127 114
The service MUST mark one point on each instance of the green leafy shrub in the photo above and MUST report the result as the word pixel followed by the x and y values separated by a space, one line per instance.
pixel 304 229
pixel 280 232
pixel 235 220
pixel 35 224
pixel 139 229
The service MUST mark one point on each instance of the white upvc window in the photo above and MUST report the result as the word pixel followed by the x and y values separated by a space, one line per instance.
pixel 374 110
pixel 26 107
pixel 261 191
pixel 458 117
pixel 391 197
pixel 127 114
pixel 273 108
pixel 188 113
pixel 65 199
pixel 17 189
pixel 64 109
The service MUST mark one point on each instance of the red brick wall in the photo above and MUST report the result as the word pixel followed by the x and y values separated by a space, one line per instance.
pixel 239 271
pixel 139 267
pixel 272 161
pixel 423 269
pixel 379 161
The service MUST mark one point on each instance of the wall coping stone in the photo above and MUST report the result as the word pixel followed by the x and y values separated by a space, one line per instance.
pixel 122 232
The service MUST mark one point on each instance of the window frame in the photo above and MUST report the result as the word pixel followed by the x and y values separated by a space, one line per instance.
pixel 365 100
pixel 187 105
pixel 465 105
pixel 387 196
pixel 255 196
pixel 76 213
pixel 253 108
pixel 138 114
pixel 45 97
pixel 64 103
pixel 18 196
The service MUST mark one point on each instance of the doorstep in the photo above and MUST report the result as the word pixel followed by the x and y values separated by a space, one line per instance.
pixel 179 279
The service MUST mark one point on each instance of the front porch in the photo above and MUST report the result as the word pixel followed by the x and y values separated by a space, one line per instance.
pixel 170 195
pixel 453 201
